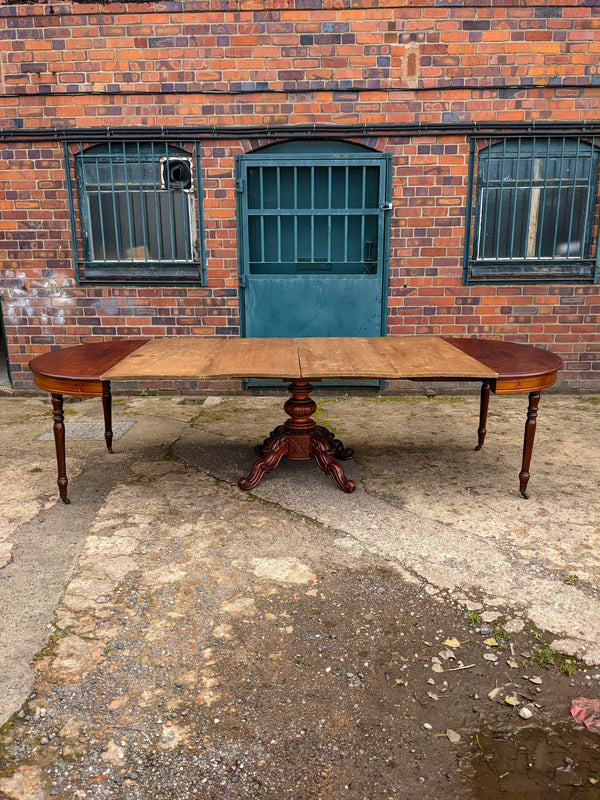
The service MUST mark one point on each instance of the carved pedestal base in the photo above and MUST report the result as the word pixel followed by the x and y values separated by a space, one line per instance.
pixel 300 438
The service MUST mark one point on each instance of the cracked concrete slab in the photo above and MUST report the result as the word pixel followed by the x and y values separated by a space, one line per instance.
pixel 426 505
pixel 429 503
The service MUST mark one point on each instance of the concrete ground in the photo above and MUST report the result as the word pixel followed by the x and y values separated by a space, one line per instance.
pixel 426 502
pixel 427 508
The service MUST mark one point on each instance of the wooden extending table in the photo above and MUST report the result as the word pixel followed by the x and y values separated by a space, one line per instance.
pixel 502 367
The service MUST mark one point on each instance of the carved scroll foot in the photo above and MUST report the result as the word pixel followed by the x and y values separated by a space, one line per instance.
pixel 341 452
pixel 261 448
pixel 271 455
pixel 324 452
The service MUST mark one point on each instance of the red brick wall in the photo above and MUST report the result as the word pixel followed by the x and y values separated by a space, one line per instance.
pixel 198 65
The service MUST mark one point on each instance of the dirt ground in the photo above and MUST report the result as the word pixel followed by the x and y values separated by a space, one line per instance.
pixel 211 643
pixel 341 702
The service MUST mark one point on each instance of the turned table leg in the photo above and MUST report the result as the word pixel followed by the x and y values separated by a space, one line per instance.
pixel 107 408
pixel 59 442
pixel 484 404
pixel 534 399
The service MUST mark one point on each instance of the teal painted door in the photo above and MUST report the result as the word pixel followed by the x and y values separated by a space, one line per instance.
pixel 313 243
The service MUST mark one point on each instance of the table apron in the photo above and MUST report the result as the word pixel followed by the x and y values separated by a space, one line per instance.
pixel 69 386
pixel 523 385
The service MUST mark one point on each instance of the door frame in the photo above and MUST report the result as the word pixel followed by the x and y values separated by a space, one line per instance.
pixel 4 344
pixel 309 153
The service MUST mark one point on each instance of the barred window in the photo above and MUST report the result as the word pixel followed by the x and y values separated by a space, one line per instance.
pixel 140 213
pixel 535 210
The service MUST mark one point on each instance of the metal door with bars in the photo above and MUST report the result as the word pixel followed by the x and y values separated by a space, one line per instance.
pixel 313 230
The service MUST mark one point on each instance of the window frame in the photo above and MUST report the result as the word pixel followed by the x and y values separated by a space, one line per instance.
pixel 537 268
pixel 133 270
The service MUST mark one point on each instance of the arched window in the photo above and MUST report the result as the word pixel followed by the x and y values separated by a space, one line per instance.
pixel 139 212
pixel 535 204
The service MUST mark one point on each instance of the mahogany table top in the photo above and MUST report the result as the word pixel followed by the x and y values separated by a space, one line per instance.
pixel 84 361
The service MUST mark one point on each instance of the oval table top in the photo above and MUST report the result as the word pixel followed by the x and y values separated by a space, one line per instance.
pixel 510 367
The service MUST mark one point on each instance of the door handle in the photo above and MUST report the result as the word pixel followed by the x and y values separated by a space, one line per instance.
pixel 386 206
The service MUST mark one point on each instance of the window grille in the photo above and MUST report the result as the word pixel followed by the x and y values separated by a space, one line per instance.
pixel 535 207
pixel 318 218
pixel 139 211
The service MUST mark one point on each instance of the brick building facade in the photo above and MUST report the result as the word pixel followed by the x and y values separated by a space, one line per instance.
pixel 444 155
